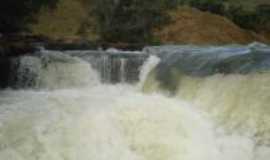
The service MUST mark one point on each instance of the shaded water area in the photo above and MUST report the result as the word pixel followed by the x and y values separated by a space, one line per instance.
pixel 161 103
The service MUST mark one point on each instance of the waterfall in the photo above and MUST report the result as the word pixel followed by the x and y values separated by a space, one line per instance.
pixel 105 69
pixel 51 70
pixel 55 69
pixel 123 66
pixel 114 66
pixel 162 103
pixel 231 84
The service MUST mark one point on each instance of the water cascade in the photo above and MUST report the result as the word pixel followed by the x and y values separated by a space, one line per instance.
pixel 169 103
pixel 114 66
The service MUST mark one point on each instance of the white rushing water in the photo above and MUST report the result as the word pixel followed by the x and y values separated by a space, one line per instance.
pixel 94 121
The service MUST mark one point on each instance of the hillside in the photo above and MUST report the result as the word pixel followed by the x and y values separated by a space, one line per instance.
pixel 66 20
pixel 196 27
pixel 71 20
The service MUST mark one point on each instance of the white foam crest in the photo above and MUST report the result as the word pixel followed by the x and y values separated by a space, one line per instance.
pixel 148 66
pixel 118 51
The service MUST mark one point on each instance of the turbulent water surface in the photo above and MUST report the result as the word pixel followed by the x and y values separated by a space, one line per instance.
pixel 163 103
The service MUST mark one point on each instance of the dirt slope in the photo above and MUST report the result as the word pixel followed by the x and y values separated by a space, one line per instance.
pixel 191 26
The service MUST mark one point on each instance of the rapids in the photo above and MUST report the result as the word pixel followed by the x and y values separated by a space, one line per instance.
pixel 189 103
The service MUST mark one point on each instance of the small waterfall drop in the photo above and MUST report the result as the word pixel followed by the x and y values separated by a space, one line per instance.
pixel 123 63
pixel 147 68
pixel 114 66
pixel 105 69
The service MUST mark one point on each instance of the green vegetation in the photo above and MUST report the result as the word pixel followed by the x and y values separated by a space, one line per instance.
pixel 129 20
pixel 249 14
pixel 213 6
pixel 123 21
pixel 65 20
pixel 110 21
pixel 16 14
pixel 248 5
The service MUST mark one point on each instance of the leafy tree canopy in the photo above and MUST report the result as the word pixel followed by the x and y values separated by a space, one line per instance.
pixel 16 14
pixel 129 20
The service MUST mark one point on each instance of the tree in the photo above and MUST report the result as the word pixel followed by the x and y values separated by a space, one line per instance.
pixel 16 14
pixel 129 20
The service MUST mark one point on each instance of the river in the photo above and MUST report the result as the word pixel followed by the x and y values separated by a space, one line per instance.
pixel 162 103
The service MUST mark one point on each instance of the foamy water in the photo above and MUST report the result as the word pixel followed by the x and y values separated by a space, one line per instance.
pixel 78 118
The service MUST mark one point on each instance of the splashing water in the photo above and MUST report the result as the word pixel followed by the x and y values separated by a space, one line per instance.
pixel 77 121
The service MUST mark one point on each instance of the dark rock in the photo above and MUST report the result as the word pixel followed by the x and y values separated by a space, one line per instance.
pixel 63 45
pixel 5 70
pixel 15 45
